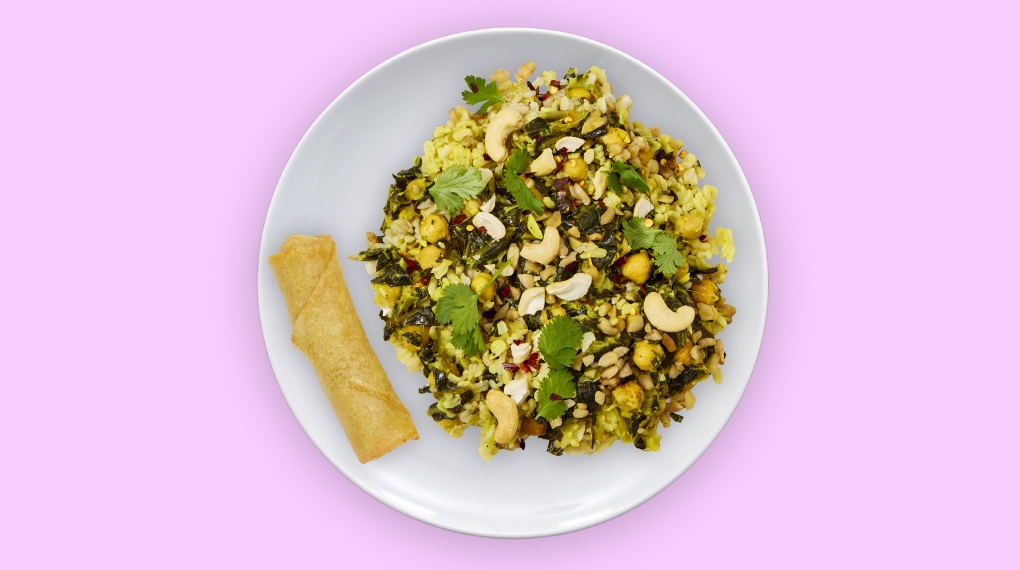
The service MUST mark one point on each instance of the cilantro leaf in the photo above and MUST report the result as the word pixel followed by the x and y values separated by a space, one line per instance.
pixel 556 387
pixel 522 195
pixel 630 177
pixel 613 181
pixel 459 306
pixel 561 337
pixel 667 257
pixel 481 92
pixel 638 236
pixel 454 185
pixel 518 161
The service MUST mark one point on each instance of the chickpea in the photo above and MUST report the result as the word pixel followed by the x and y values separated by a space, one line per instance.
pixel 580 93
pixel 647 355
pixel 644 155
pixel 689 225
pixel 408 213
pixel 616 135
pixel 430 256
pixel 628 397
pixel 727 310
pixel 704 291
pixel 388 295
pixel 415 189
pixel 576 169
pixel 683 356
pixel 638 267
pixel 556 311
pixel 434 228
pixel 471 207
pixel 478 282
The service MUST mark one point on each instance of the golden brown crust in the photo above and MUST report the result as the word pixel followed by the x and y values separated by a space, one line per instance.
pixel 327 330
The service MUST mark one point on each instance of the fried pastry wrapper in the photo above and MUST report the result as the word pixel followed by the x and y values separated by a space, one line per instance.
pixel 327 330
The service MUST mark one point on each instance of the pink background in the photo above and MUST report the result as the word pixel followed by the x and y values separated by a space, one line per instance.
pixel 140 422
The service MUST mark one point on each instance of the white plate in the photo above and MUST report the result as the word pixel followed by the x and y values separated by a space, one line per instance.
pixel 336 182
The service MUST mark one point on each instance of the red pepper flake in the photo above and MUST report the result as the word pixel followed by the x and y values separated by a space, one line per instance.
pixel 531 363
pixel 503 293
pixel 518 342
pixel 459 219
pixel 531 86
pixel 620 262
pixel 544 96
pixel 563 151
pixel 423 281
pixel 511 367
pixel 617 279
pixel 559 183
pixel 474 88
pixel 482 230
pixel 555 83
pixel 555 397
pixel 520 440
pixel 412 265
pixel 703 238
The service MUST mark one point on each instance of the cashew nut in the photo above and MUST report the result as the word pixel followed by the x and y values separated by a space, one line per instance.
pixel 507 418
pixel 569 143
pixel 489 204
pixel 493 227
pixel 544 251
pixel 517 390
pixel 642 207
pixel 532 301
pixel 600 182
pixel 501 126
pixel 572 289
pixel 520 352
pixel 544 164
pixel 664 319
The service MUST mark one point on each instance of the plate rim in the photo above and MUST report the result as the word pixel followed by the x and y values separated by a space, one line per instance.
pixel 262 268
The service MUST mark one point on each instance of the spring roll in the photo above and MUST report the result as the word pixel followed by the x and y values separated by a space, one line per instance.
pixel 327 330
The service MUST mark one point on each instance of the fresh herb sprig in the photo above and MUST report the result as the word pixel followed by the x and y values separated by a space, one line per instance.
pixel 454 185
pixel 459 307
pixel 623 172
pixel 515 165
pixel 667 257
pixel 559 342
pixel 557 386
pixel 480 91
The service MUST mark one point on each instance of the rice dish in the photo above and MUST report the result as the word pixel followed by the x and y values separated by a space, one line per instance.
pixel 547 265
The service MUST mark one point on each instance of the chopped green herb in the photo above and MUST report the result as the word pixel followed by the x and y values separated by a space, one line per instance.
pixel 480 91
pixel 556 387
pixel 667 257
pixel 561 337
pixel 454 185
pixel 518 161
pixel 522 195
pixel 515 165
pixel 459 306
pixel 628 175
